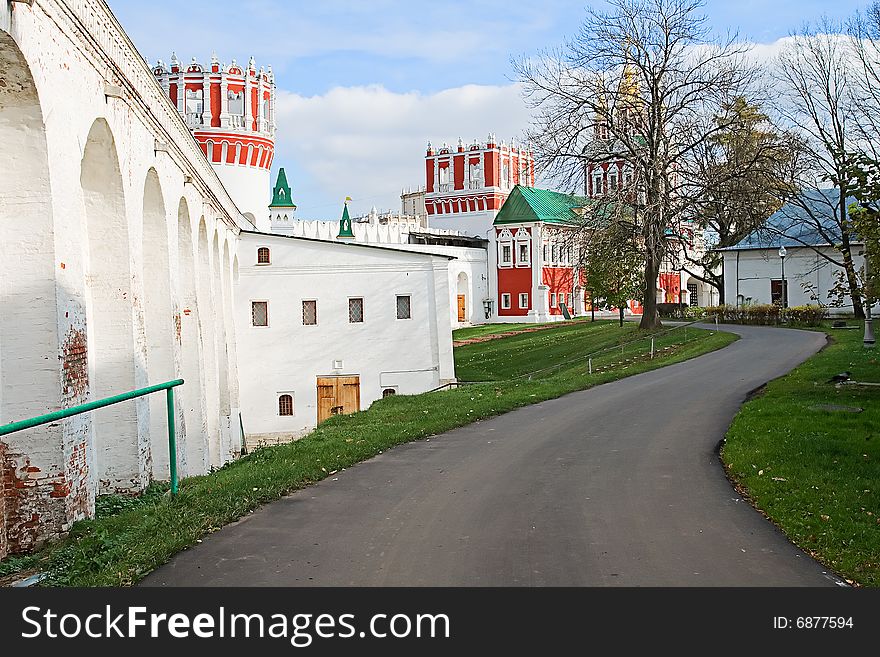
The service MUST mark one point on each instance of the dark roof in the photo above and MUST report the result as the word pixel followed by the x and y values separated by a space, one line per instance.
pixel 529 204
pixel 798 224
pixel 448 240
pixel 347 244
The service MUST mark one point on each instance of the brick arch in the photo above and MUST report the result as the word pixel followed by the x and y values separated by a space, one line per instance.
pixel 31 381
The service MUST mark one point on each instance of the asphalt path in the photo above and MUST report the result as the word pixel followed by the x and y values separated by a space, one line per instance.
pixel 620 485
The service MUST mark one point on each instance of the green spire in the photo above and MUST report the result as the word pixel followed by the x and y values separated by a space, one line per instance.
pixel 345 231
pixel 281 196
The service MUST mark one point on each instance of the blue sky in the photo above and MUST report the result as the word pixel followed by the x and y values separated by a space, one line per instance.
pixel 363 85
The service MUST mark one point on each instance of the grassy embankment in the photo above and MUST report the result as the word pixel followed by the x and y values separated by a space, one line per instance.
pixel 131 537
pixel 815 471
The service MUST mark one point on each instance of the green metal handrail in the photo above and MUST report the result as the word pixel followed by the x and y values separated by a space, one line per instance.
pixel 168 387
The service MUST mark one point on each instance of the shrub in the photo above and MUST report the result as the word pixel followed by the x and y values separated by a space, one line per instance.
pixel 808 315
pixel 694 312
pixel 763 314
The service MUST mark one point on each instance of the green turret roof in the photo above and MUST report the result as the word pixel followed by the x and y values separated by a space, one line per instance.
pixel 281 195
pixel 345 228
pixel 528 204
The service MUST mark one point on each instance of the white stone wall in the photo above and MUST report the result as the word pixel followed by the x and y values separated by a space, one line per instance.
pixel 413 355
pixel 748 274
pixel 251 187
pixel 101 212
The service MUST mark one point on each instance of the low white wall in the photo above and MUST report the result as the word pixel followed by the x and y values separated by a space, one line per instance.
pixel 748 274
pixel 412 355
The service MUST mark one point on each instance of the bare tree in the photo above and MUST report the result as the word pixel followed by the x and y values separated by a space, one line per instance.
pixel 635 85
pixel 817 78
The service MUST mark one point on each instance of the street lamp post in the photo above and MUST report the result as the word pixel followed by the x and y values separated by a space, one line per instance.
pixel 868 340
pixel 782 254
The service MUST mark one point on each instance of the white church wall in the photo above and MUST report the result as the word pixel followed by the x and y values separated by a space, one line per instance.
pixel 748 273
pixel 286 357
pixel 468 276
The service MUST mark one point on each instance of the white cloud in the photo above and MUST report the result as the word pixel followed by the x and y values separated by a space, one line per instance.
pixel 369 142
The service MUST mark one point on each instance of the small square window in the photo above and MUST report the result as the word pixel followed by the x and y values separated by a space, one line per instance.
pixel 404 307
pixel 263 255
pixel 505 301
pixel 285 405
pixel 310 313
pixel 260 313
pixel 355 311
pixel 524 300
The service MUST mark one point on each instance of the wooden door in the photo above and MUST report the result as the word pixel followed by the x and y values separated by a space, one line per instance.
pixel 462 311
pixel 338 395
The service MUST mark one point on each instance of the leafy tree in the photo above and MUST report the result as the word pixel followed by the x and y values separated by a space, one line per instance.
pixel 745 167
pixel 612 264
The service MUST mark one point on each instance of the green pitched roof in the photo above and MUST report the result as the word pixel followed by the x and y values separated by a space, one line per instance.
pixel 345 229
pixel 281 195
pixel 527 204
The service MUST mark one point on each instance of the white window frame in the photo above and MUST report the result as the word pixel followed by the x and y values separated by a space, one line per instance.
pixel 505 301
pixel 553 299
pixel 598 181
pixel 613 178
pixel 302 319
pixel 523 238
pixel 263 264
pixel 268 320
pixel 278 397
pixel 363 310
pixel 505 239
pixel 403 319
pixel 523 306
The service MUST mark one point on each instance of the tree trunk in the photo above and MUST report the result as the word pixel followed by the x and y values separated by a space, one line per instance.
pixel 720 287
pixel 620 310
pixel 855 290
pixel 650 316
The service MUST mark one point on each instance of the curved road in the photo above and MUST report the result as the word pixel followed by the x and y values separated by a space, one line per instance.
pixel 618 485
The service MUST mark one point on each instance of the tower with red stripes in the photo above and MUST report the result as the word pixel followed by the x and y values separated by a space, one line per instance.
pixel 466 185
pixel 231 112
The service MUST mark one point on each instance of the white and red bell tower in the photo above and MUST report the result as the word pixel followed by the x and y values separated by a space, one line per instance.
pixel 231 112
pixel 467 185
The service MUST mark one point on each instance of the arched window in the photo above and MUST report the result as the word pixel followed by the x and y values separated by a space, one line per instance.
pixel 263 255
pixel 285 405
pixel 388 392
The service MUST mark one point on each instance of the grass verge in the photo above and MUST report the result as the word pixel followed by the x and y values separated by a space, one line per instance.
pixel 128 540
pixel 811 463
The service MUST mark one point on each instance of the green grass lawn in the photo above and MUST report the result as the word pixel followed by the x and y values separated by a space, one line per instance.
pixel 527 352
pixel 130 538
pixel 489 329
pixel 816 473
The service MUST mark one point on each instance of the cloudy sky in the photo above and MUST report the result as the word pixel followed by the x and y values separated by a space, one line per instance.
pixel 362 86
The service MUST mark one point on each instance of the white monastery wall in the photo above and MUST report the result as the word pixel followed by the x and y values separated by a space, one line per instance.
pixel 286 357
pixel 105 280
